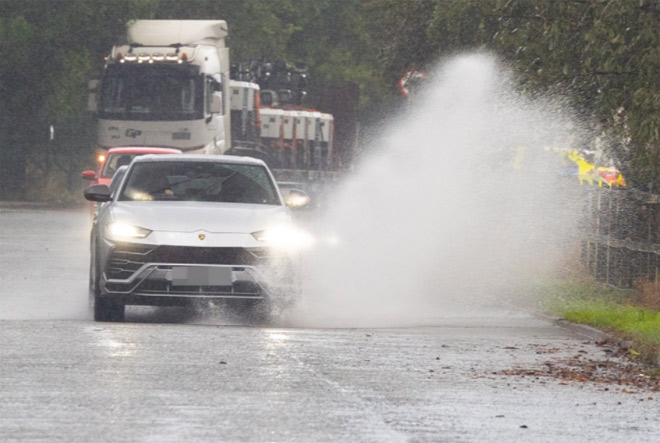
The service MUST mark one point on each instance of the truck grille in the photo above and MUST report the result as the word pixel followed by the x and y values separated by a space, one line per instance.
pixel 125 259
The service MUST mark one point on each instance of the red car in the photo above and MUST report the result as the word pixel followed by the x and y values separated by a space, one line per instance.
pixel 116 157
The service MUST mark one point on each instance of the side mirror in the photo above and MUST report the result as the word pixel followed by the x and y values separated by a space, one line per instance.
pixel 92 100
pixel 98 193
pixel 215 107
pixel 297 199
pixel 89 175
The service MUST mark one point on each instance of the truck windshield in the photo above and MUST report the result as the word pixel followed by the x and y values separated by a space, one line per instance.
pixel 151 93
pixel 202 181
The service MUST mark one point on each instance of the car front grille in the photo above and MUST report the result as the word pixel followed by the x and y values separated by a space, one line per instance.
pixel 125 259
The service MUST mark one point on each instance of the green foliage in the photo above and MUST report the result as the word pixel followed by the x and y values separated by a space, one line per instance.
pixel 49 51
pixel 400 27
pixel 334 41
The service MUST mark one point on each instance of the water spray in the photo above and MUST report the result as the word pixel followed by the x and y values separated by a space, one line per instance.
pixel 455 204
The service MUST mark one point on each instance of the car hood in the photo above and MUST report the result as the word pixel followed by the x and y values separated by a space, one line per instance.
pixel 195 216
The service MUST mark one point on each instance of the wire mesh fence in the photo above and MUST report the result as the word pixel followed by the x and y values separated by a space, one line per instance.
pixel 621 236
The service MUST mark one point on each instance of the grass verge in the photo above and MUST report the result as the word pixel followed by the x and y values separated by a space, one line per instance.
pixel 623 314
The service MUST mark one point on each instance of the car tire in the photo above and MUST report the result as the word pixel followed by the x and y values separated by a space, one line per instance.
pixel 260 312
pixel 103 309
pixel 108 310
pixel 253 312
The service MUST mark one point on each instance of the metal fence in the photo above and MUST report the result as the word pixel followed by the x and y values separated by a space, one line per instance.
pixel 621 236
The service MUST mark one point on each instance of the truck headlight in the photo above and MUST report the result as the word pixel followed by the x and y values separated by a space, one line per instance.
pixel 123 231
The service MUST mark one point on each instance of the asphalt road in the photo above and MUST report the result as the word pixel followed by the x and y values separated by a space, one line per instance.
pixel 176 375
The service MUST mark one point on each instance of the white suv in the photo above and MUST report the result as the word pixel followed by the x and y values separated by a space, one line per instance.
pixel 182 228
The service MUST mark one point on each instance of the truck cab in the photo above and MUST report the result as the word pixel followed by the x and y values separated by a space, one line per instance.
pixel 167 85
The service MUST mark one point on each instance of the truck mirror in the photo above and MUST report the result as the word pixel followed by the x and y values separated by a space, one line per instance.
pixel 92 101
pixel 215 107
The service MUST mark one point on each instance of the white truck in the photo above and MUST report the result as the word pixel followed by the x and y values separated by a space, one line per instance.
pixel 167 86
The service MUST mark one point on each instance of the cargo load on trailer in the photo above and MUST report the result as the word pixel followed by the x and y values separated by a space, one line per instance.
pixel 297 140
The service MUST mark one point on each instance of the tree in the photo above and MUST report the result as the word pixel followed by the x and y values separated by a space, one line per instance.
pixel 46 64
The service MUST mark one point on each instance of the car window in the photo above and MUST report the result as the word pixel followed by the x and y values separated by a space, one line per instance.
pixel 114 162
pixel 199 181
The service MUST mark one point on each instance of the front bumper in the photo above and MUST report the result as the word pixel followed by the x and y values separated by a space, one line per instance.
pixel 154 283
pixel 167 275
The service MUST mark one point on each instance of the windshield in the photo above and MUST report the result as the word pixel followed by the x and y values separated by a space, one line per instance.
pixel 199 181
pixel 116 179
pixel 152 93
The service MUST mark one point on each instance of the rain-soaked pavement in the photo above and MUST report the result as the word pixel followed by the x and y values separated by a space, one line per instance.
pixel 170 375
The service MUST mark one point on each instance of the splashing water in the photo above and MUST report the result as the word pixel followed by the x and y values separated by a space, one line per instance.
pixel 450 210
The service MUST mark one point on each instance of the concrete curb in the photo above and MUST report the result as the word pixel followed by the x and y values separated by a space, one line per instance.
pixel 585 330
pixel 588 332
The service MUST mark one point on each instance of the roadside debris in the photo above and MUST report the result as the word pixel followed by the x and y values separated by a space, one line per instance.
pixel 629 375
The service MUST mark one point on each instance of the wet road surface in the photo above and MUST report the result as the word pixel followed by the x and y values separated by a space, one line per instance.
pixel 176 375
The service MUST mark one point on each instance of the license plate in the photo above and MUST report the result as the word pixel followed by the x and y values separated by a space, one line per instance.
pixel 200 276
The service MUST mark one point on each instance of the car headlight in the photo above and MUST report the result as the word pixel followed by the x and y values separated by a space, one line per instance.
pixel 122 231
pixel 285 237
pixel 297 199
